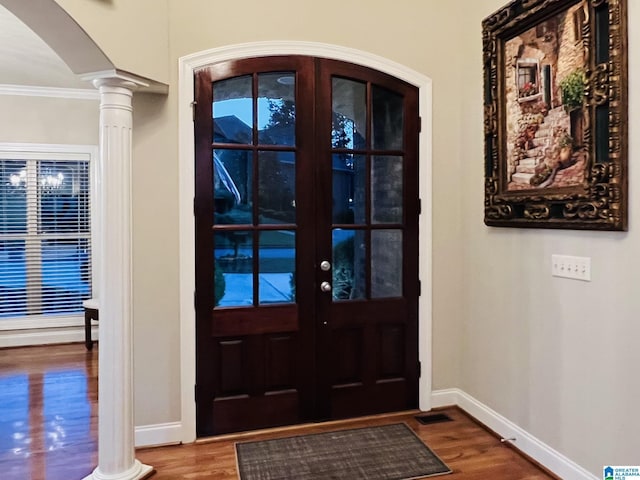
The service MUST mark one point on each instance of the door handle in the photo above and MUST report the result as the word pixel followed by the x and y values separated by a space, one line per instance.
pixel 325 286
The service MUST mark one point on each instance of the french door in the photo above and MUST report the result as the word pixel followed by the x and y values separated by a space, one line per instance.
pixel 306 241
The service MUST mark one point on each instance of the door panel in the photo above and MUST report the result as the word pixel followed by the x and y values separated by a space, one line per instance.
pixel 306 232
pixel 368 331
pixel 251 364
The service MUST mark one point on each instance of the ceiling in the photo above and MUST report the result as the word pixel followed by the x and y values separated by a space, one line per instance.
pixel 25 59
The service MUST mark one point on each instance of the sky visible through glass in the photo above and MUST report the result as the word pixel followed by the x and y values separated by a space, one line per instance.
pixel 242 109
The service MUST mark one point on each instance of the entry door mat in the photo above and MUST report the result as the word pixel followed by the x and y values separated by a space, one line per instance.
pixel 388 452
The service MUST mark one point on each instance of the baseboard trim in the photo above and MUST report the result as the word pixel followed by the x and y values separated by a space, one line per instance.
pixel 23 338
pixel 554 461
pixel 525 442
pixel 159 434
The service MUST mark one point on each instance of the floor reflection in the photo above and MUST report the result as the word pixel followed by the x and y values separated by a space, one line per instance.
pixel 48 413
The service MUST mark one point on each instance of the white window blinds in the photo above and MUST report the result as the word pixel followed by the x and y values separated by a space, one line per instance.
pixel 45 233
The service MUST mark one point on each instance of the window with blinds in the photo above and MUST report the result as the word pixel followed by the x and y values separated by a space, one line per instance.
pixel 45 233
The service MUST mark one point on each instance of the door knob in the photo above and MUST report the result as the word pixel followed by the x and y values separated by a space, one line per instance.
pixel 325 286
pixel 325 265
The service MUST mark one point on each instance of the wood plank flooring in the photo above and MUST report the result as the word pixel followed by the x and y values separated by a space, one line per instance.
pixel 466 447
pixel 48 412
pixel 48 429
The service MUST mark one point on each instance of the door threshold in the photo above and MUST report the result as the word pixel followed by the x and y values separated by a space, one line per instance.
pixel 302 426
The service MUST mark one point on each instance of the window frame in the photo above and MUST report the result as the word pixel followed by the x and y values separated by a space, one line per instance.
pixel 524 64
pixel 44 152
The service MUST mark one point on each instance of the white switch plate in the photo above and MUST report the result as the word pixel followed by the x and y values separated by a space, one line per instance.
pixel 566 266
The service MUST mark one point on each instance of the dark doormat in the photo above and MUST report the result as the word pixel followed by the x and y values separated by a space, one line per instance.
pixel 389 452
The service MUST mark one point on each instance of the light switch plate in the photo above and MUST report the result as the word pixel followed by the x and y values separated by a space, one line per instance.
pixel 567 266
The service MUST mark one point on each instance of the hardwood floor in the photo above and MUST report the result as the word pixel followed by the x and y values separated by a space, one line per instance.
pixel 48 429
pixel 466 447
pixel 48 412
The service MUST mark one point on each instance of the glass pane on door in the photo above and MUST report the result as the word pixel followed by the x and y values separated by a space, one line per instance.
pixel 349 188
pixel 277 275
pixel 276 187
pixel 349 264
pixel 349 107
pixel 233 187
pixel 386 189
pixel 233 111
pixel 386 263
pixel 387 112
pixel 233 268
pixel 277 108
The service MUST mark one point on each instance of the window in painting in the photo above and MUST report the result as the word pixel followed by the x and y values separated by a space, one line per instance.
pixel 528 78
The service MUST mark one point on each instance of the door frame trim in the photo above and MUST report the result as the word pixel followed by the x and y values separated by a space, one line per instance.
pixel 186 168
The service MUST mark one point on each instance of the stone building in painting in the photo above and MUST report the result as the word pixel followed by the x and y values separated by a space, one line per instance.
pixel 544 88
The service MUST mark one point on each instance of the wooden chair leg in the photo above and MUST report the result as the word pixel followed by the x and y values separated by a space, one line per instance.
pixel 87 330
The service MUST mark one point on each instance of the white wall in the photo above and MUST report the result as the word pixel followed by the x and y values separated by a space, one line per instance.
pixel 27 119
pixel 155 262
pixel 558 357
pixel 133 34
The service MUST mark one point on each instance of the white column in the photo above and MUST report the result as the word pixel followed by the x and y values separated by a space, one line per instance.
pixel 116 453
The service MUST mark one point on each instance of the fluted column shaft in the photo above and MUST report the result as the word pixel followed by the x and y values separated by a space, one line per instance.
pixel 116 454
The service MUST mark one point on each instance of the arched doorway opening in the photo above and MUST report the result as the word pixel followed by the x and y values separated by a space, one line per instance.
pixel 192 63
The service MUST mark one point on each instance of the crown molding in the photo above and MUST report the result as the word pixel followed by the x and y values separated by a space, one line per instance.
pixel 49 92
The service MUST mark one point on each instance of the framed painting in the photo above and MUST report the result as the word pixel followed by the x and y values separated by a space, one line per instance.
pixel 555 100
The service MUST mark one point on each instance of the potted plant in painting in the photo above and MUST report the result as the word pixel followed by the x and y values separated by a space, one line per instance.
pixel 572 89
pixel 565 150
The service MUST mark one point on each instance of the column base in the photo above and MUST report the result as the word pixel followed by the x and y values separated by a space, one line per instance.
pixel 137 472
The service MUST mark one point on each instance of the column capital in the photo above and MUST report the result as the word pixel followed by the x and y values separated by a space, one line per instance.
pixel 115 96
pixel 122 79
pixel 114 82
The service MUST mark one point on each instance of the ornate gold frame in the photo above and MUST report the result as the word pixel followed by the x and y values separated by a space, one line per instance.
pixel 547 166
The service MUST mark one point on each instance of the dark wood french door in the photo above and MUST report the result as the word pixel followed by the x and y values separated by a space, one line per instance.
pixel 306 241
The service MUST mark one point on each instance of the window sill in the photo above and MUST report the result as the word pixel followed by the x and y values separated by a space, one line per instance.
pixel 530 98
